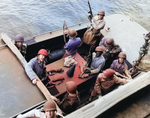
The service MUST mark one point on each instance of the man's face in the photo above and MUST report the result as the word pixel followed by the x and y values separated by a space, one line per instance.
pixel 100 17
pixel 19 44
pixel 121 60
pixel 41 57
pixel 49 114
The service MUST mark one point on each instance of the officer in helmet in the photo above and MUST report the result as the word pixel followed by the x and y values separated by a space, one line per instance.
pixel 73 44
pixel 71 100
pixel 19 43
pixel 106 82
pixel 36 66
pixel 120 66
pixel 49 108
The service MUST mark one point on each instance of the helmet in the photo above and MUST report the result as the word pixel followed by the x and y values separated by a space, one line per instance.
pixel 101 12
pixel 49 105
pixel 71 87
pixel 109 73
pixel 43 51
pixel 100 48
pixel 72 33
pixel 109 41
pixel 122 55
pixel 19 38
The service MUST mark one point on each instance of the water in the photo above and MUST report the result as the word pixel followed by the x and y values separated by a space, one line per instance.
pixel 33 17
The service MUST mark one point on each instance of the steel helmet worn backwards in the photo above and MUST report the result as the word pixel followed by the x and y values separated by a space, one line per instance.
pixel 109 73
pixel 49 106
pixel 109 41
pixel 72 33
pixel 19 38
pixel 43 51
pixel 71 87
pixel 122 55
pixel 100 48
pixel 101 12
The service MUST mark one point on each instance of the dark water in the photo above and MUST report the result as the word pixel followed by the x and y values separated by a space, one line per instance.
pixel 33 17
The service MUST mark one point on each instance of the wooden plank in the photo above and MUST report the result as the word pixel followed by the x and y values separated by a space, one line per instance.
pixel 14 49
pixel 39 84
pixel 102 104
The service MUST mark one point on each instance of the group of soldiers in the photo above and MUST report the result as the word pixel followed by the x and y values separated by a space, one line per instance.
pixel 106 59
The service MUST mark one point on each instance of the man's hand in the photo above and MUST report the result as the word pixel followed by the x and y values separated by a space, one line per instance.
pixel 34 81
pixel 87 71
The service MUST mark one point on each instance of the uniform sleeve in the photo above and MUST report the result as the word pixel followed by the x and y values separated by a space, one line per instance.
pixel 119 80
pixel 102 42
pixel 32 113
pixel 98 69
pixel 116 49
pixel 97 84
pixel 29 69
pixel 98 24
pixel 112 65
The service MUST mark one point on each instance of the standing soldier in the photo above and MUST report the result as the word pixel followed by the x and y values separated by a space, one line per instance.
pixel 106 82
pixel 50 111
pixel 73 43
pixel 120 66
pixel 36 66
pixel 93 35
pixel 19 43
pixel 71 99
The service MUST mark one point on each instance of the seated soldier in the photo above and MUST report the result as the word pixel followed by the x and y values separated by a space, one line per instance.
pixel 36 66
pixel 111 52
pixel 106 82
pixel 98 61
pixel 50 111
pixel 111 47
pixel 71 100
pixel 120 66
pixel 19 43
pixel 72 45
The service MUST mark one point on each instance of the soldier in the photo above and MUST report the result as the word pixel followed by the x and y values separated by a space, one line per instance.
pixel 111 47
pixel 111 52
pixel 98 61
pixel 36 66
pixel 120 66
pixel 72 45
pixel 106 82
pixel 93 35
pixel 71 99
pixel 19 43
pixel 50 111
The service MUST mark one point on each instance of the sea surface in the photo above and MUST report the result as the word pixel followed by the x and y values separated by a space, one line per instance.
pixel 33 17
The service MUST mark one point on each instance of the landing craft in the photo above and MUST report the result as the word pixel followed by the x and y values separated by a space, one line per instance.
pixel 19 95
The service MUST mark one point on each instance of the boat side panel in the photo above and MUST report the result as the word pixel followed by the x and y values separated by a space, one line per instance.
pixel 17 93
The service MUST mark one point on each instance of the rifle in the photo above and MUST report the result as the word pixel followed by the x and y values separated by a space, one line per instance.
pixel 64 28
pixel 90 12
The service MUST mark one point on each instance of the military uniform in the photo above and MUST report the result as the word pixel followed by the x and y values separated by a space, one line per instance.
pixel 93 35
pixel 104 85
pixel 119 67
pixel 37 113
pixel 69 103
